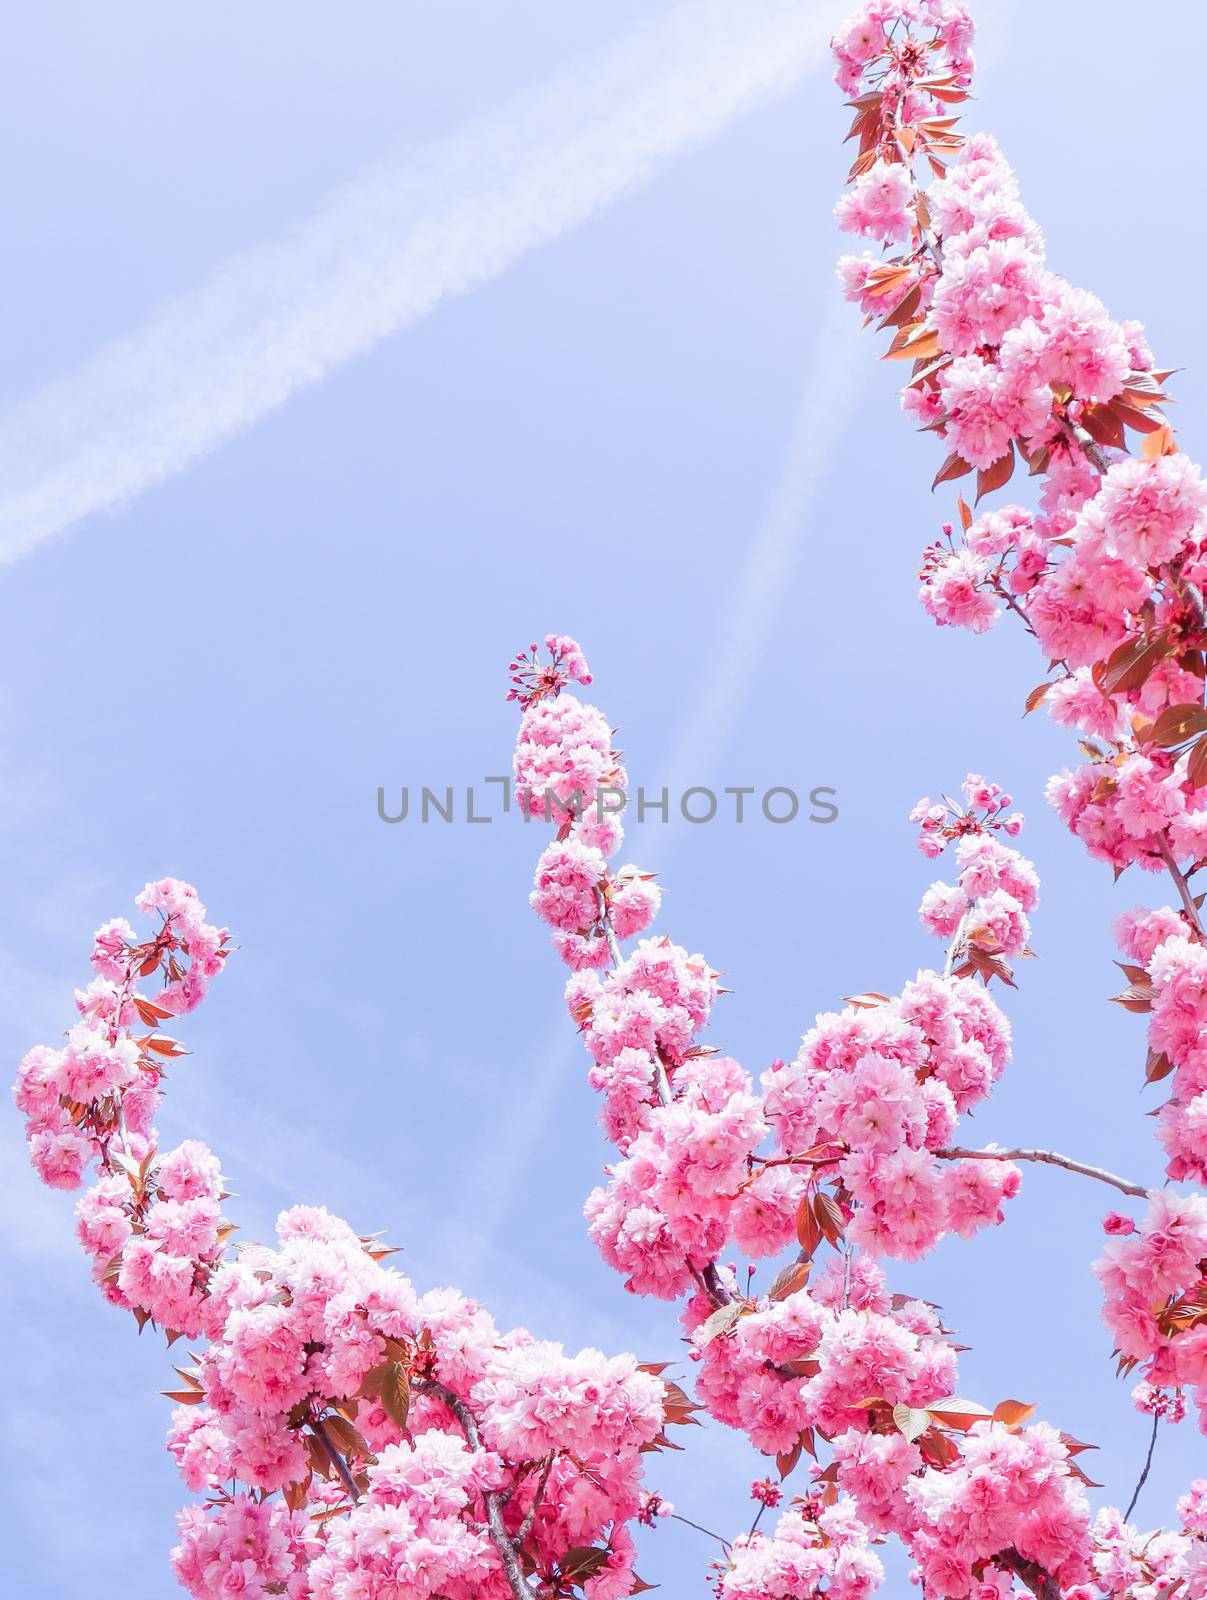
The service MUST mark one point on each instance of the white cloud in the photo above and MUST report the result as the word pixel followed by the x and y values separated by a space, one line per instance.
pixel 384 251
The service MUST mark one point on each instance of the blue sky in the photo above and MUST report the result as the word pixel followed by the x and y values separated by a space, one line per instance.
pixel 655 432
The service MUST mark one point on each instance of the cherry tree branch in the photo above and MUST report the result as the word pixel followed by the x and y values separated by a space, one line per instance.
pixel 688 1523
pixel 525 1527
pixel 1098 459
pixel 1051 1158
pixel 1040 1582
pixel 1179 878
pixel 335 1458
pixel 609 930
pixel 709 1280
pixel 713 1287
pixel 1143 1478
pixel 957 939
pixel 506 1549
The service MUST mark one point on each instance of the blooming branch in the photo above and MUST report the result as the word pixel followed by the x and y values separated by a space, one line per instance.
pixel 1052 1158
pixel 350 1435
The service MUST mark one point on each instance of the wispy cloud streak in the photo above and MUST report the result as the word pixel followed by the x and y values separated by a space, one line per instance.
pixel 827 401
pixel 385 250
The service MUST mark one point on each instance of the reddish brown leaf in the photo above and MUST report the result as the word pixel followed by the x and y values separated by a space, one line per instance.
pixel 165 1047
pixel 1196 769
pixel 1138 418
pixel 957 1413
pixel 921 347
pixel 1160 443
pixel 829 1216
pixel 677 1405
pixel 582 1562
pixel 1136 997
pixel 1075 1446
pixel 1129 667
pixel 884 280
pixel 954 467
pixel 937 1449
pixel 794 1276
pixel 1036 697
pixel 904 311
pixel 295 1494
pixel 345 1437
pixel 808 1230
pixel 149 1011
pixel 396 1394
pixel 1176 723
pixel 1013 1413
pixel 1104 427
pixel 995 475
pixel 1157 1066
pixel 1132 972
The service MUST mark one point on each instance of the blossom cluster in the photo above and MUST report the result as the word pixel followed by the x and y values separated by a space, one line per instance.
pixel 986 910
pixel 1154 1281
pixel 1129 1562
pixel 1107 573
pixel 567 770
pixel 352 1437
pixel 965 1491
pixel 816 1549
pixel 437 1418
pixel 812 1360
pixel 1167 965
pixel 877 1090
pixel 860 1126
pixel 151 1223
pixel 1009 362
pixel 1010 1490
pixel 686 1122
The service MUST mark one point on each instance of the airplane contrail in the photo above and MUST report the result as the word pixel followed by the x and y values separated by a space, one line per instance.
pixel 827 400
pixel 386 249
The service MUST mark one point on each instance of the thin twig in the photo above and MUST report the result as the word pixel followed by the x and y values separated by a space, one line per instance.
pixel 687 1521
pixel 601 905
pixel 957 939
pixel 1051 1158
pixel 525 1527
pixel 1179 878
pixel 1143 1478
pixel 846 1275
pixel 661 1081
pixel 1092 452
